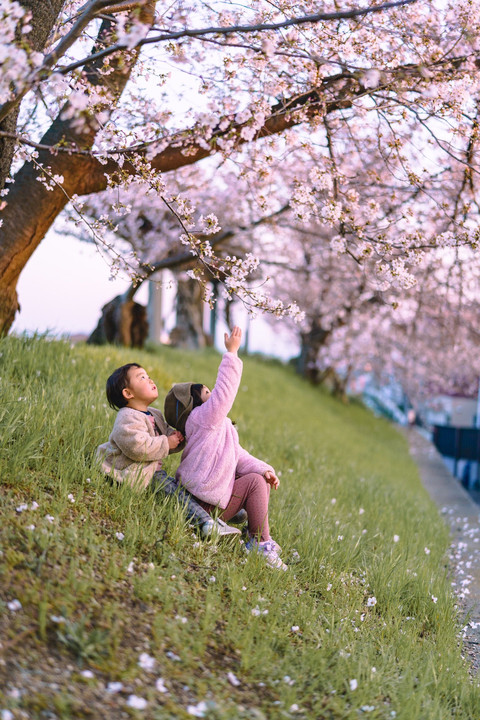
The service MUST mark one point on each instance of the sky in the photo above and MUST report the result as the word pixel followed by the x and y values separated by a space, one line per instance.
pixel 66 282
pixel 63 287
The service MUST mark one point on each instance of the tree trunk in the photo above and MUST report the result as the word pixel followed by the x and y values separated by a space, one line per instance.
pixel 25 222
pixel 311 343
pixel 123 322
pixel 189 333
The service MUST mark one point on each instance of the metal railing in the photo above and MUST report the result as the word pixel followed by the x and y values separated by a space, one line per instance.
pixel 459 443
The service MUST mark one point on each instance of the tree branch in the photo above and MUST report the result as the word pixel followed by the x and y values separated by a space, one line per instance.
pixel 181 259
pixel 343 88
pixel 87 14
pixel 261 27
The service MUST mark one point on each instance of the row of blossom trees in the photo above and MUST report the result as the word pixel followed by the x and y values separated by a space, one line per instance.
pixel 416 327
pixel 334 151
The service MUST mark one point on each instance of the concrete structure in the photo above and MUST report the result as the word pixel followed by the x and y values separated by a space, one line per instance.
pixel 454 410
pixel 462 514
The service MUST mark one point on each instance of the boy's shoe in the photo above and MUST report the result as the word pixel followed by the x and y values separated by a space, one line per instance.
pixel 268 549
pixel 217 528
pixel 240 517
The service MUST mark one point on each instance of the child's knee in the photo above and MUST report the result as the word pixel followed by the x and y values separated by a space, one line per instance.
pixel 261 484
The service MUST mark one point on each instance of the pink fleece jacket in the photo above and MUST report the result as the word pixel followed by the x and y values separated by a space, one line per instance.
pixel 213 456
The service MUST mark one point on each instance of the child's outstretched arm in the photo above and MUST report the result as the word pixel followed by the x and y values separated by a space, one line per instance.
pixel 220 402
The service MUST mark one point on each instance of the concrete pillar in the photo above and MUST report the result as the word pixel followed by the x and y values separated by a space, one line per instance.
pixel 155 307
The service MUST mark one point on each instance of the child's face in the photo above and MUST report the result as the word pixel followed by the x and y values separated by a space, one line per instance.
pixel 141 390
pixel 204 393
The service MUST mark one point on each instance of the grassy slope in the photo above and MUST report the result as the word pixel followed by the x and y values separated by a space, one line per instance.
pixel 92 601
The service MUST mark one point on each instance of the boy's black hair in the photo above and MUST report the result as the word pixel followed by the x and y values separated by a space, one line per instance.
pixel 195 391
pixel 117 382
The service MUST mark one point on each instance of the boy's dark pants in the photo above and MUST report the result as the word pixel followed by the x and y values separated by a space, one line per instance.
pixel 163 483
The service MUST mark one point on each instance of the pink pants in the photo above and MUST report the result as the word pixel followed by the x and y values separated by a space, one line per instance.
pixel 251 492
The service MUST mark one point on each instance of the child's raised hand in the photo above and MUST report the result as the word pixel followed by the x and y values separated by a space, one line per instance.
pixel 272 479
pixel 232 341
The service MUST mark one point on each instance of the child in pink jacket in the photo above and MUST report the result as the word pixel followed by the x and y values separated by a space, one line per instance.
pixel 214 467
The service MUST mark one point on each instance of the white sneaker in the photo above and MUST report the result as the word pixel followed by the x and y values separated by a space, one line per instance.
pixel 268 548
pixel 218 528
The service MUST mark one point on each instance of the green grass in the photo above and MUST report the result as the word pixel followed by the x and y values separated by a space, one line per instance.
pixel 90 601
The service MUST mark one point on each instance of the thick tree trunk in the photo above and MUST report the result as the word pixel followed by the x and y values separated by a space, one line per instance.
pixel 311 343
pixel 23 230
pixel 31 208
pixel 123 322
pixel 188 332
pixel 43 19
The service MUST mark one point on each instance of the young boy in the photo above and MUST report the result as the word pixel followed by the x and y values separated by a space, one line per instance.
pixel 141 438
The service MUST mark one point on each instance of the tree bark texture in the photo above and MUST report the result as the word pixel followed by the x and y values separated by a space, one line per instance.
pixel 123 322
pixel 312 341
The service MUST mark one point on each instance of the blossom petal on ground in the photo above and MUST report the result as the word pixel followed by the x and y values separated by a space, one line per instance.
pixel 160 685
pixel 233 680
pixel 198 710
pixel 114 687
pixel 146 662
pixel 139 703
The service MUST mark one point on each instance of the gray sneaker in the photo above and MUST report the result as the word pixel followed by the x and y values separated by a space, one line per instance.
pixel 240 517
pixel 217 528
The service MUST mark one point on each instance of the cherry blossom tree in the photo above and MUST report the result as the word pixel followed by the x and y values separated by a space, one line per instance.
pixel 424 337
pixel 251 85
pixel 414 327
pixel 147 234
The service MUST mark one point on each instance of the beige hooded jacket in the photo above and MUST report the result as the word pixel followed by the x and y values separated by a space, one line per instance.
pixel 133 451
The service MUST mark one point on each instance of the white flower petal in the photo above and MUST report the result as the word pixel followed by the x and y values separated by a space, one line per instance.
pixel 134 701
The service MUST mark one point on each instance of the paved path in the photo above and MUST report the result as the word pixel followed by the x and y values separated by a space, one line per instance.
pixel 462 514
